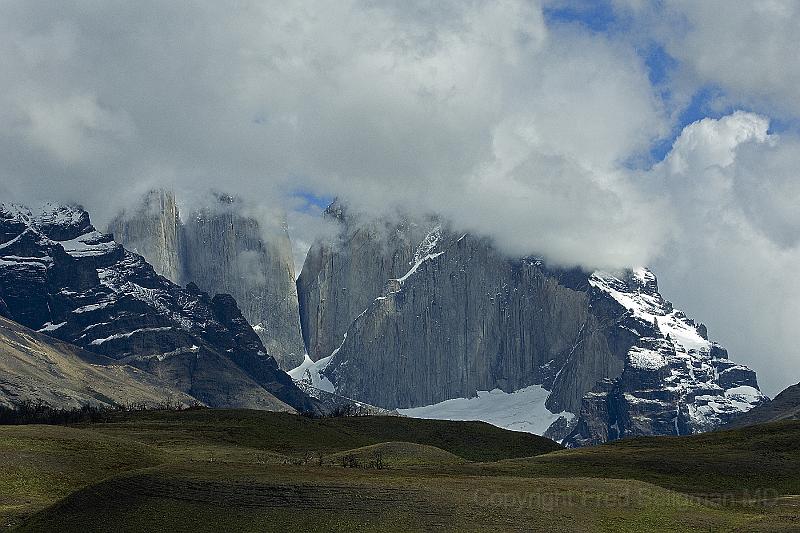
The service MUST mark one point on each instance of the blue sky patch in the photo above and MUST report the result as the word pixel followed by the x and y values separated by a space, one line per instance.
pixel 313 202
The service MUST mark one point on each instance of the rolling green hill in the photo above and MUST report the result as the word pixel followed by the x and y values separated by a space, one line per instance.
pixel 293 435
pixel 209 470
pixel 755 460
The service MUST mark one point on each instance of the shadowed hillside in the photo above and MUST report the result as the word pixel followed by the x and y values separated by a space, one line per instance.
pixel 233 470
pixel 785 406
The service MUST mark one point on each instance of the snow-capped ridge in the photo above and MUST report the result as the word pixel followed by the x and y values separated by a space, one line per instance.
pixel 675 380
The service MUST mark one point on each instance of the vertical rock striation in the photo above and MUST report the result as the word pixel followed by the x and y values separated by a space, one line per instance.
pixel 407 314
pixel 227 251
pixel 341 277
pixel 222 249
pixel 153 230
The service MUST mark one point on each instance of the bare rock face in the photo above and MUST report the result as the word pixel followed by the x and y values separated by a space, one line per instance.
pixel 415 314
pixel 341 277
pixel 227 251
pixel 60 276
pixel 224 250
pixel 469 320
pixel 407 314
pixel 153 230
pixel 675 381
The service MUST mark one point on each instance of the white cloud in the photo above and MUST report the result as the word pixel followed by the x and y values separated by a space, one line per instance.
pixel 713 143
pixel 747 48
pixel 767 180
pixel 425 104
pixel 73 128
pixel 732 189
pixel 477 110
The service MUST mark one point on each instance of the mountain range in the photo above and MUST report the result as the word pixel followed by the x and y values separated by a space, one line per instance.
pixel 410 313
pixel 62 277
pixel 391 313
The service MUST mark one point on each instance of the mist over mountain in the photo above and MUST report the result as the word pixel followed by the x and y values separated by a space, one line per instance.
pixel 222 247
pixel 63 278
pixel 636 134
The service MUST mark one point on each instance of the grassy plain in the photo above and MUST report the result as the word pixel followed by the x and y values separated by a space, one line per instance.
pixel 210 470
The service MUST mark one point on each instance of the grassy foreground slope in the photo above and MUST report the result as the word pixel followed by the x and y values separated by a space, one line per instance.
pixel 281 498
pixel 756 461
pixel 293 436
pixel 254 471
pixel 42 464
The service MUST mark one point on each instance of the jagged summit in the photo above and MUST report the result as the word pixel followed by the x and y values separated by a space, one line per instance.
pixel 61 276
pixel 675 381
pixel 414 315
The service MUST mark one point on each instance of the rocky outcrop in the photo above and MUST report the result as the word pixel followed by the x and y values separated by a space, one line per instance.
pixel 222 249
pixel 675 381
pixel 60 276
pixel 785 406
pixel 153 230
pixel 404 314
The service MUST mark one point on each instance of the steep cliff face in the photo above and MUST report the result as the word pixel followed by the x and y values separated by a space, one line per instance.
pixel 60 276
pixel 403 324
pixel 222 250
pixel 153 230
pixel 342 276
pixel 463 318
pixel 674 382
pixel 228 252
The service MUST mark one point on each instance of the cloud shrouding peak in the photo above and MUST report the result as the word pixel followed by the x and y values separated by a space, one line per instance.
pixel 732 189
pixel 475 108
pixel 511 124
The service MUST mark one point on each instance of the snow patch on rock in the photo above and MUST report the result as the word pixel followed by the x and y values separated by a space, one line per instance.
pixel 309 372
pixel 522 410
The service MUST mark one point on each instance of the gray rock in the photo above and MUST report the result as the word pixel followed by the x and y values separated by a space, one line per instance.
pixel 662 392
pixel 470 320
pixel 403 314
pixel 737 376
pixel 226 251
pixel 153 230
pixel 87 290
pixel 223 250
pixel 559 429
pixel 431 315
pixel 342 276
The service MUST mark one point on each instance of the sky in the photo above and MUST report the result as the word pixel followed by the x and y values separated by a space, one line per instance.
pixel 604 134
